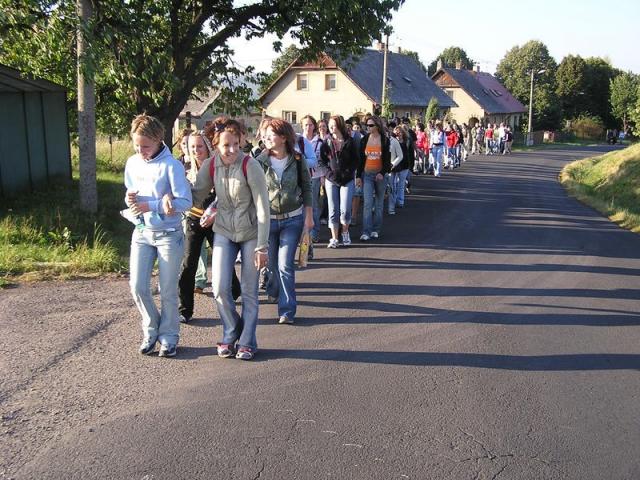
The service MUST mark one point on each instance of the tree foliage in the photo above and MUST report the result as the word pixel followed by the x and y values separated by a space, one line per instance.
pixel 279 65
pixel 416 57
pixel 431 112
pixel 624 96
pixel 151 56
pixel 635 115
pixel 571 78
pixel 514 72
pixel 450 56
pixel 599 74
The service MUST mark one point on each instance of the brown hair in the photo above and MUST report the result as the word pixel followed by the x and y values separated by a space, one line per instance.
pixel 312 120
pixel 284 129
pixel 341 125
pixel 378 123
pixel 221 125
pixel 147 126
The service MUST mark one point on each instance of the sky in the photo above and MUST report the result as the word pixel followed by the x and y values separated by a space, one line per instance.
pixel 589 28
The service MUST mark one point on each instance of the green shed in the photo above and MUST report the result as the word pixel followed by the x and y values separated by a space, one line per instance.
pixel 34 133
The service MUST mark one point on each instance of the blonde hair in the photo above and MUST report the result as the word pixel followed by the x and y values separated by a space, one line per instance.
pixel 147 126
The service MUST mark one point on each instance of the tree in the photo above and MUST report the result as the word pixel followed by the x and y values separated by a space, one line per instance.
pixel 635 114
pixel 514 72
pixel 151 56
pixel 450 57
pixel 599 74
pixel 432 110
pixel 279 65
pixel 571 85
pixel 624 96
pixel 387 107
pixel 416 57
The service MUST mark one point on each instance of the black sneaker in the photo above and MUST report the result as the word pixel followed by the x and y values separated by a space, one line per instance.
pixel 147 347
pixel 167 351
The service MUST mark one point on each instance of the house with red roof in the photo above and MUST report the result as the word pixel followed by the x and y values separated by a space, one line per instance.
pixel 352 87
pixel 479 96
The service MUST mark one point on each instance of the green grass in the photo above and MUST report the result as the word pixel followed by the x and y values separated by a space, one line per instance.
pixel 45 235
pixel 610 183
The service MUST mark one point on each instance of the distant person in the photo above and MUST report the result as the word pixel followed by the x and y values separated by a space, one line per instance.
pixel 184 157
pixel 437 141
pixel 374 164
pixel 310 132
pixel 508 140
pixel 339 156
pixel 149 175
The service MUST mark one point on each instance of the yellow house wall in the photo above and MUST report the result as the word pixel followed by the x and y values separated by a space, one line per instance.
pixel 345 100
pixel 468 108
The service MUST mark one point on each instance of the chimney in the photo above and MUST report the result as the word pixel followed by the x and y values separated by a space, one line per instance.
pixel 439 64
pixel 476 67
pixel 379 46
pixel 458 65
pixel 399 49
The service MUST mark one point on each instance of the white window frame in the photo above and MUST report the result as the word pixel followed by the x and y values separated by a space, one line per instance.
pixel 290 116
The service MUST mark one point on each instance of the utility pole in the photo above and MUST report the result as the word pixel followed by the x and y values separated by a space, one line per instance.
pixel 530 129
pixel 384 73
pixel 86 110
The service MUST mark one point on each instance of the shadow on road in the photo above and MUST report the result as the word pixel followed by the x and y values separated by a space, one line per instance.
pixel 509 205
pixel 571 362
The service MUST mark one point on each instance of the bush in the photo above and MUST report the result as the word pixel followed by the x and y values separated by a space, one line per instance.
pixel 585 127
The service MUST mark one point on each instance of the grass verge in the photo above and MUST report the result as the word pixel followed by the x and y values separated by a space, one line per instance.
pixel 609 183
pixel 44 235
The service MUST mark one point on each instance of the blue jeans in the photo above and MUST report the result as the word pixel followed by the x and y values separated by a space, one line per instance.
pixel 201 273
pixel 373 193
pixel 168 248
pixel 317 206
pixel 284 237
pixel 437 159
pixel 397 181
pixel 235 327
pixel 339 199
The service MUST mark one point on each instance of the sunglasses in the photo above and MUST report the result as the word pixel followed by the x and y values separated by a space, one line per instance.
pixel 371 125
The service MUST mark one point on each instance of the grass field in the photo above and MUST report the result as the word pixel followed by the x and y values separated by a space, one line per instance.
pixel 610 183
pixel 44 234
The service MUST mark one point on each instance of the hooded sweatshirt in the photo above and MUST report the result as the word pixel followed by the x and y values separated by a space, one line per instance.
pixel 154 178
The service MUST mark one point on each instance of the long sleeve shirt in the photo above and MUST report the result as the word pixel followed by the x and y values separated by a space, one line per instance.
pixel 154 178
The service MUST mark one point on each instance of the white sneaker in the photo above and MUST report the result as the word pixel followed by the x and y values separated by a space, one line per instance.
pixel 333 243
pixel 374 234
pixel 364 237
pixel 346 239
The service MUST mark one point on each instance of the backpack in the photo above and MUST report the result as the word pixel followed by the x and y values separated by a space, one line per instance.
pixel 212 168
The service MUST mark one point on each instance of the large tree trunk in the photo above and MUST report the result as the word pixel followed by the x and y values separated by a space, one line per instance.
pixel 86 114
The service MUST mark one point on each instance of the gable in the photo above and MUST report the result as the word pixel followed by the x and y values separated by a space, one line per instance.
pixel 482 87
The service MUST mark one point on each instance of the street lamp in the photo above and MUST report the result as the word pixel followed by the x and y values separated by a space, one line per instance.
pixel 530 129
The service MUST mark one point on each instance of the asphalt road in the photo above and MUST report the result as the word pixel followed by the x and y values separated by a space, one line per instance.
pixel 492 332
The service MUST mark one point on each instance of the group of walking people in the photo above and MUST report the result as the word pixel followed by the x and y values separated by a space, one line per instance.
pixel 253 204
pixel 249 209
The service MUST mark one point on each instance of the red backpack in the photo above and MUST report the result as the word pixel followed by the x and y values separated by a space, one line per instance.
pixel 212 168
